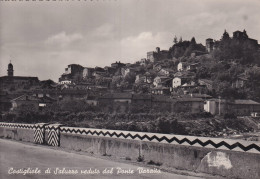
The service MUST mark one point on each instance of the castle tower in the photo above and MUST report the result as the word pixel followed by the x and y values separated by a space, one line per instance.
pixel 158 49
pixel 209 44
pixel 10 70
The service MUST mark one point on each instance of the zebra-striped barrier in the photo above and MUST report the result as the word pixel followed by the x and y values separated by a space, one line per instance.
pixel 39 133
pixel 53 131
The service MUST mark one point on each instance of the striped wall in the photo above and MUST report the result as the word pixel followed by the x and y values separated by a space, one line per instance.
pixel 205 142
pixel 50 134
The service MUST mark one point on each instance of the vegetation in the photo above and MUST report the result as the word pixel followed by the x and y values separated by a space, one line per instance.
pixel 185 48
pixel 81 114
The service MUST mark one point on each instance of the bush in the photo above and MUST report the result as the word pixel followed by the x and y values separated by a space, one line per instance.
pixel 140 158
pixel 230 116
pixel 151 162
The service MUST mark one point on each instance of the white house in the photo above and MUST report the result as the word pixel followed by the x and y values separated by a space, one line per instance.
pixel 178 81
pixel 65 82
pixel 181 66
pixel 161 81
pixel 125 71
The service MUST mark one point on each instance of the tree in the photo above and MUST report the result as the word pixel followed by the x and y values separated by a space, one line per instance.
pixel 225 36
pixel 163 125
pixel 180 40
pixel 224 89
pixel 203 72
pixel 72 105
pixel 130 77
pixel 193 41
pixel 175 41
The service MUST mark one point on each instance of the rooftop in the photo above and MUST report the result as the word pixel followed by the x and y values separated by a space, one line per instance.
pixel 245 101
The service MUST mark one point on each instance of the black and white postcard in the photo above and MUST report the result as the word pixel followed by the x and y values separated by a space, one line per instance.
pixel 129 89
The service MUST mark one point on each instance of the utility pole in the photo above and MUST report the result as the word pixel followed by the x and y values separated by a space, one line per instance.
pixel 219 105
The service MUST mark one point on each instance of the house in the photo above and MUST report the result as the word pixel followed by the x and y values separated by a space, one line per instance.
pixel 110 70
pixel 161 103
pixel 161 90
pixel 115 102
pixel 99 72
pixel 157 55
pixel 158 66
pixel 143 61
pixel 45 101
pixel 179 81
pixel 161 81
pixel 148 78
pixel 83 85
pixel 192 105
pixel 139 78
pixel 87 72
pixel 116 97
pixel 207 83
pixel 117 65
pixel 192 66
pixel 30 102
pixel 196 95
pixel 239 107
pixel 72 94
pixel 126 70
pixel 35 102
pixel 188 87
pixel 182 66
pixel 166 71
pixel 65 82
pixel 53 93
pixel 240 81
pixel 72 72
pixel 244 107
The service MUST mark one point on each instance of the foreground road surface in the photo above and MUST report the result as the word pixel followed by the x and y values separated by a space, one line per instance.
pixel 17 157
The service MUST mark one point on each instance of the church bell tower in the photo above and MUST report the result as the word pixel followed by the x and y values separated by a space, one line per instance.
pixel 10 70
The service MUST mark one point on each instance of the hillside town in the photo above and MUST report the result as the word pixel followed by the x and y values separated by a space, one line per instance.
pixel 218 79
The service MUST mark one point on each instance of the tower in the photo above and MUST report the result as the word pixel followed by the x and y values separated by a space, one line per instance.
pixel 158 49
pixel 209 45
pixel 10 70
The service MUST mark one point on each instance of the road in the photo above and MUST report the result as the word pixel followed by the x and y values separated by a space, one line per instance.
pixel 17 158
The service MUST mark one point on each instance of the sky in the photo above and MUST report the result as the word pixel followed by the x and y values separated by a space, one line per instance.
pixel 42 38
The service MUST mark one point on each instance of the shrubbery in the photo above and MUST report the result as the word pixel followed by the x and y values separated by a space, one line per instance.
pixel 169 123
